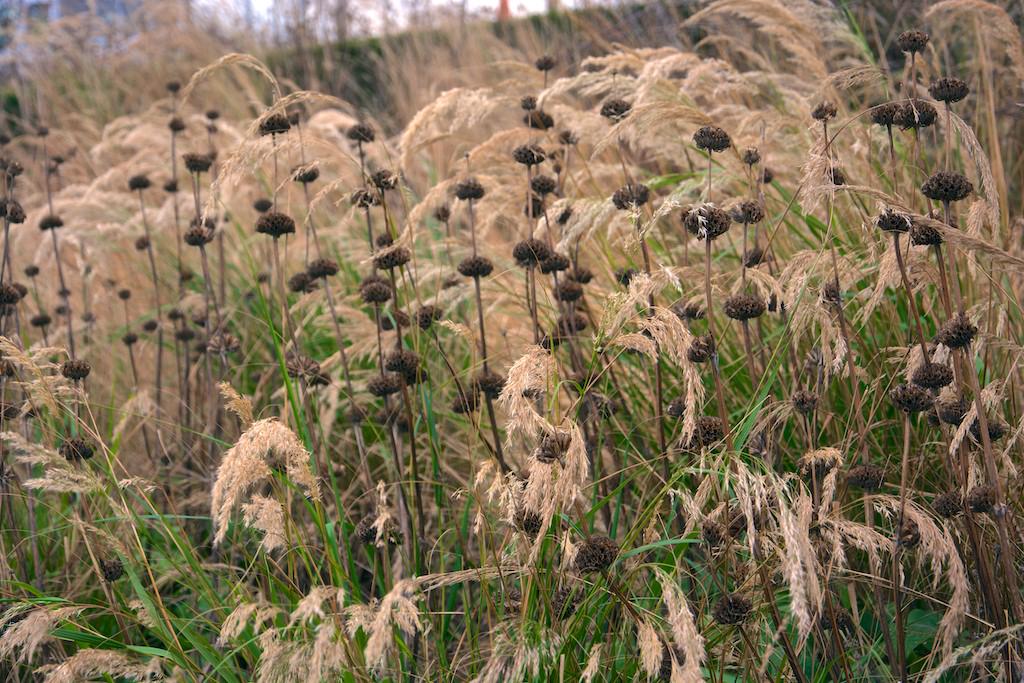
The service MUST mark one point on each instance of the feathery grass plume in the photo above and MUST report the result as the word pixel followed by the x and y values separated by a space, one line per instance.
pixel 799 565
pixel 266 442
pixel 88 664
pixel 25 628
pixel 237 404
pixel 685 635
pixel 59 475
pixel 398 610
pixel 266 515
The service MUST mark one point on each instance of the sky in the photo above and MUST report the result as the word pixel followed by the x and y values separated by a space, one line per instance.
pixel 518 7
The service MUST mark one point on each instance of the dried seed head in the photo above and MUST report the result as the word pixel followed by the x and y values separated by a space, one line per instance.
pixel 384 180
pixel 198 236
pixel 197 163
pixel 489 384
pixel 443 213
pixel 528 103
pixel 947 186
pixel 885 114
pixel 138 182
pixel 9 294
pixel 909 535
pixel 569 325
pixel 392 317
pixel 912 41
pixel 715 535
pixel 476 266
pixel 275 224
pixel 529 155
pixel 701 349
pixel 171 186
pixel 150 326
pixel 543 185
pixel 712 139
pixel 952 409
pixel 384 385
pixel 824 111
pixel 112 569
pixel 306 174
pixel 688 311
pixel 75 369
pixel 302 283
pixel 48 222
pixel 708 431
pixel 545 63
pixel 625 275
pixel 176 125
pixel 958 332
pixel 552 447
pixel 141 243
pixel 393 258
pixel 731 609
pixel 306 370
pixel 322 268
pixel 916 114
pixel 835 176
pixel 581 275
pixel 375 290
pixel 910 398
pixel 469 189
pixel 14 212
pixel 463 405
pixel 744 307
pixel 538 119
pixel 751 156
pixel 530 252
pixel 866 477
pixel 555 263
pixel 40 320
pixel 804 401
pixel 596 554
pixel 405 363
pixel 948 505
pixel 997 429
pixel 949 90
pixel 922 235
pixel 676 408
pixel 568 137
pixel 129 339
pixel 568 291
pixel 75 450
pixel 748 211
pixel 706 221
pixel 932 376
pixel 274 123
pixel 366 531
pixel 981 499
pixel 615 109
pixel 631 196
pixel 893 221
pixel 755 257
pixel 185 334
pixel 528 522
pixel 360 132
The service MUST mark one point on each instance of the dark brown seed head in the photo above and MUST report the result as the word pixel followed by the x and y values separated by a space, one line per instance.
pixel 552 447
pixel 835 176
pixel 322 268
pixel 138 182
pixel 631 196
pixel 569 325
pixel 427 315
pixel 385 385
pixel 688 310
pixel 469 189
pixel 731 609
pixel 744 306
pixel 706 221
pixel 74 450
pixel 405 363
pixel 715 535
pixel 529 155
pixel 615 109
pixel 824 111
pixel 581 275
pixel 625 275
pixel 748 211
pixel 384 180
pixel 981 499
pixel 997 429
pixel 150 326
pixel 171 186
pixel 14 212
pixel 708 432
pixel 360 132
pixel 40 320
pixel 947 186
pixel 932 376
pixel 538 119
pixel 198 235
pixel 949 90
pixel 701 349
pixel 392 258
pixel 185 334
pixel 891 220
pixel 368 530
pixel 751 156
pixel 754 257
pixel 469 403
pixel 554 263
pixel 916 114
pixel 141 243
pixel 912 41
pixel 275 224
pixel 528 103
pixel 866 477
pixel 302 283
pixel 9 294
pixel 443 213
pixel 952 409
pixel 948 505
pixel 568 291
pixel 364 198
pixel 528 522
pixel 112 569
pixel 543 185
pixel 129 339
pixel 712 139
pixel 306 174
pixel 530 252
pixel 47 222
pixel 568 137
pixel 476 266
pixel 676 408
pixel 197 163
pixel 885 114
pixel 274 123
pixel 173 86
pixel 375 290
pixel 392 317
pixel 175 124
pixel 75 369
pixel 958 332
pixel 922 235
pixel 596 554
pixel 489 384
pixel 909 534
pixel 910 398
pixel 545 63
pixel 804 401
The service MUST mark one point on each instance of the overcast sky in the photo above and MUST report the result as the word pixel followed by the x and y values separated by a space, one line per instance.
pixel 518 7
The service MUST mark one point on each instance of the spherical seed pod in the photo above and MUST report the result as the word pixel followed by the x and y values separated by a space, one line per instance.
pixel 543 185
pixel 129 339
pixel 306 174
pixel 528 522
pixel 569 325
pixel 443 213
pixel 957 333
pixel 391 317
pixel 222 343
pixel 375 290
pixel 866 477
pixel 197 163
pixel 676 408
pixel 893 221
pixel 469 189
pixel 528 103
pixel 744 307
pixel 714 535
pixel 476 266
pixel 274 123
pixel 48 222
pixel 427 315
pixel 198 236
pixel 912 41
pixel 9 295
pixel 14 212
pixel 406 363
pixel 922 235
pixel 185 334
pixel 306 370
pixel 538 119
pixel 835 176
pixel 530 252
pixel 384 385
pixel 489 384
pixel 767 176
pixel 751 156
pixel 916 114
pixel 464 405
pixel 275 224
pixel 688 310
pixel 369 532
pixel 361 132
pixel 910 398
pixel 909 534
pixel 262 205
pixel 171 186
pixel 112 569
pixel 23 290
pixel 949 90
pixel 393 258
pixel 948 505
pixel 885 114
pixel 384 240
pixel 76 450
pixel 302 283
pixel 701 349
pixel 150 326
pixel 625 275
pixel 138 183
pixel 364 199
pixel 175 125
pixel 61 310
pixel 706 221
pixel 824 111
pixel 88 317
pixel 708 432
pixel 40 320
pixel 631 196
pixel 732 609
pixel 997 429
pixel 981 499
pixel 124 294
pixel 568 138
pixel 804 401
pixel 545 63
pixel 712 139
pixel 554 263
pixel 322 268
pixel 384 180
pixel 755 257
pixel 952 409
pixel 568 291
pixel 141 243
pixel 595 554
pixel 947 186
pixel 932 376
pixel 75 369
pixel 529 155
pixel 615 109
pixel 581 275
pixel 748 211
